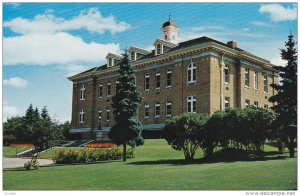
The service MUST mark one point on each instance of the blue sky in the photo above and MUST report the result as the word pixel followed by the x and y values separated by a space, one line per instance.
pixel 44 43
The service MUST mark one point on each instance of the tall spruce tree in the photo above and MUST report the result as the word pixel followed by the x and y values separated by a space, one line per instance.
pixel 286 99
pixel 127 128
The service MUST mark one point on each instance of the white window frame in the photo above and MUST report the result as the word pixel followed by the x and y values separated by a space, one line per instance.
pixel 160 51
pixel 99 116
pixel 255 80
pixel 81 116
pixel 100 90
pixel 192 69
pixel 147 76
pixel 169 73
pixel 226 76
pixel 108 116
pixel 168 103
pixel 247 78
pixel 156 79
pixel 193 101
pixel 227 101
pixel 146 105
pixel 133 56
pixel 247 103
pixel 255 104
pixel 117 82
pixel 266 89
pixel 110 62
pixel 157 105
pixel 108 89
pixel 82 92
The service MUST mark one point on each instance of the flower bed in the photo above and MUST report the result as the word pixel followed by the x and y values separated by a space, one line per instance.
pixel 21 145
pixel 90 155
pixel 99 145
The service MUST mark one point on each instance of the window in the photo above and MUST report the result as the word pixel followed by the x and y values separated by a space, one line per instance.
pixel 133 55
pixel 147 80
pixel 247 77
pixel 255 104
pixel 99 118
pixel 247 103
pixel 166 37
pixel 168 108
pixel 157 80
pixel 107 117
pixel 226 74
pixel 169 78
pixel 191 73
pixel 265 84
pixel 227 102
pixel 146 110
pixel 82 92
pixel 255 81
pixel 108 89
pixel 100 90
pixel 157 109
pixel 110 62
pixel 191 104
pixel 81 116
pixel 266 106
pixel 117 84
pixel 158 49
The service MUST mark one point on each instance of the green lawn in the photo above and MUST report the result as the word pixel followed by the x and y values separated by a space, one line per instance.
pixel 158 167
pixel 11 151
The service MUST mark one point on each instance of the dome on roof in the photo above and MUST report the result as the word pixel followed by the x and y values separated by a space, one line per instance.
pixel 169 23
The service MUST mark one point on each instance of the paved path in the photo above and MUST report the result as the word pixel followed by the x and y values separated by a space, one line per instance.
pixel 18 162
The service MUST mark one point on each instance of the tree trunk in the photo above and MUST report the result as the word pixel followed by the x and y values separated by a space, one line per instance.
pixel 292 149
pixel 124 152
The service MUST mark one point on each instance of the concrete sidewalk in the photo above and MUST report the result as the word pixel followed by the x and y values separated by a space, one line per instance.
pixel 19 162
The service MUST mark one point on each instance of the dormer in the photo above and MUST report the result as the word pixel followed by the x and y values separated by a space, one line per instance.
pixel 136 53
pixel 113 59
pixel 162 46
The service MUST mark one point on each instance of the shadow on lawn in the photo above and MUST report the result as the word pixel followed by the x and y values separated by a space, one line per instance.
pixel 217 158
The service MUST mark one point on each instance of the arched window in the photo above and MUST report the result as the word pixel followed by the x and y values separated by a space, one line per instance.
pixel 158 49
pixel 191 77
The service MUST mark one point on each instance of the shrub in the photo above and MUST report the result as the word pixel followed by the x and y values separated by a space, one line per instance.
pixel 90 155
pixel 182 132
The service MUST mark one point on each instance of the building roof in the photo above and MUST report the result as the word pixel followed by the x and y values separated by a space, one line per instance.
pixel 169 23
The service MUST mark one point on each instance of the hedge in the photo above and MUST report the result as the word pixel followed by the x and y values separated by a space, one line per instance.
pixel 88 155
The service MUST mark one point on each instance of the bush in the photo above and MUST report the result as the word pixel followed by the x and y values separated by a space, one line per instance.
pixel 88 155
pixel 182 132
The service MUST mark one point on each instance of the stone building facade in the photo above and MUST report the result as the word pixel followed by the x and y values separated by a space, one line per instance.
pixel 200 75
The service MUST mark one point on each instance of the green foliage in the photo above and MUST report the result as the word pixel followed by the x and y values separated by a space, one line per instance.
pixel 286 98
pixel 127 129
pixel 90 155
pixel 182 132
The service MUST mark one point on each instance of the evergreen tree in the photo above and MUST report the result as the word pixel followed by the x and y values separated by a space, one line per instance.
pixel 286 98
pixel 127 128
pixel 44 113
pixel 30 115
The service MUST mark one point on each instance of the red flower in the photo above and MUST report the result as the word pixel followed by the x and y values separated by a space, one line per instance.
pixel 21 145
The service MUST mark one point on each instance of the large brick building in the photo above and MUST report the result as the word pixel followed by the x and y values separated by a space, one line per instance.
pixel 200 75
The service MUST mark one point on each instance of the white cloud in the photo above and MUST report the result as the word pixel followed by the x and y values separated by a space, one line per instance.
pixel 59 48
pixel 279 12
pixel 278 61
pixel 90 20
pixel 246 29
pixel 15 82
pixel 260 24
pixel 10 111
pixel 72 69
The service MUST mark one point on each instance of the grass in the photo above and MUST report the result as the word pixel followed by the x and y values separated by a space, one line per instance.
pixel 158 167
pixel 11 151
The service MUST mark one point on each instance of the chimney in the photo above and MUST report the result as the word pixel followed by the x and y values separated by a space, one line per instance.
pixel 232 44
